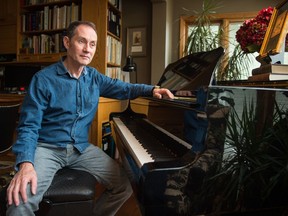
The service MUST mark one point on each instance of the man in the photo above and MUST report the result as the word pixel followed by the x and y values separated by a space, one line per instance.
pixel 53 127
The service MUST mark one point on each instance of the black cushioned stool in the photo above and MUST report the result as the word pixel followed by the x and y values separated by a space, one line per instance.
pixel 71 193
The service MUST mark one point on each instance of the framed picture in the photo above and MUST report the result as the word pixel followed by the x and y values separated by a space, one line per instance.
pixel 276 32
pixel 136 41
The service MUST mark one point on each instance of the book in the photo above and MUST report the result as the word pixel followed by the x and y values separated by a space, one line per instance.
pixel 271 68
pixel 268 77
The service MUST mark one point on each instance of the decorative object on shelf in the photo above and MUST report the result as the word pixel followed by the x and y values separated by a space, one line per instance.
pixel 273 45
pixel 131 68
pixel 276 40
pixel 136 41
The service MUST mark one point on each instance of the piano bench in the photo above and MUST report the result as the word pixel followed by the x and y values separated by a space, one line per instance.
pixel 72 193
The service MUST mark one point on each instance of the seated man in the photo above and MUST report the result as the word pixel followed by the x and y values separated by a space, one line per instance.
pixel 56 114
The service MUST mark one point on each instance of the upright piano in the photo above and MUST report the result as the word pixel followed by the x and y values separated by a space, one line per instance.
pixel 162 148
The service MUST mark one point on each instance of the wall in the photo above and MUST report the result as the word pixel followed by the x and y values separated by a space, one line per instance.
pixel 137 13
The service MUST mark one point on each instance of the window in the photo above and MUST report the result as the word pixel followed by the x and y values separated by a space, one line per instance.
pixel 229 24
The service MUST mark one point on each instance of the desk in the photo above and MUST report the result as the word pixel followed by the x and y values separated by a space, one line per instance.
pixel 6 98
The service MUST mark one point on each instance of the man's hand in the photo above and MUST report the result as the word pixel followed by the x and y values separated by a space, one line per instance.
pixel 162 93
pixel 18 185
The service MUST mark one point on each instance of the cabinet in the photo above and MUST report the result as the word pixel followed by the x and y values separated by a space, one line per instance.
pixel 7 26
pixel 106 106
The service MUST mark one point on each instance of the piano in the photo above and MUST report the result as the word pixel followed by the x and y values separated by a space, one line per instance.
pixel 158 146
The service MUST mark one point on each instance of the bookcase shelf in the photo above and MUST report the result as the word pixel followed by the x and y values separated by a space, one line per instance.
pixel 40 4
pixel 41 25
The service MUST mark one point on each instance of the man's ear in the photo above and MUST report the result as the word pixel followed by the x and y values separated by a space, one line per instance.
pixel 66 42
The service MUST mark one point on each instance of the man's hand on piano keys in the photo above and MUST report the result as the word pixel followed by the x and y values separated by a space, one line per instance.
pixel 162 93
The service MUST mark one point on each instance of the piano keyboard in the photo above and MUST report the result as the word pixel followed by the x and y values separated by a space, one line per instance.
pixel 147 142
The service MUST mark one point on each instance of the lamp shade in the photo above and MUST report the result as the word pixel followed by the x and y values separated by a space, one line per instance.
pixel 130 66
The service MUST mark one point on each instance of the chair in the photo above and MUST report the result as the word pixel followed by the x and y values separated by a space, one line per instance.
pixel 8 122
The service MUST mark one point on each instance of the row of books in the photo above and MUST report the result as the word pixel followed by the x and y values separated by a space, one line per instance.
pixel 43 44
pixel 50 18
pixel 108 143
pixel 270 72
pixel 114 50
pixel 114 23
pixel 114 72
pixel 36 2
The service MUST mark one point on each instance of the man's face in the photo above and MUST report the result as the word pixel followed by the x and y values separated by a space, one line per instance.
pixel 82 46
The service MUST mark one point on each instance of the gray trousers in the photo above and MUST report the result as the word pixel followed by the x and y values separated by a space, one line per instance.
pixel 49 159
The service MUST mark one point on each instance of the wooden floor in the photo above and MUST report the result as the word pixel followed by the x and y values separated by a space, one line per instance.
pixel 130 208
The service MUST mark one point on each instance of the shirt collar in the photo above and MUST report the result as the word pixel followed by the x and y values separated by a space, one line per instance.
pixel 62 69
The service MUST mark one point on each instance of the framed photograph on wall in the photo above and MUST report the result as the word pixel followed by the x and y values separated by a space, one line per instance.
pixel 136 41
pixel 274 39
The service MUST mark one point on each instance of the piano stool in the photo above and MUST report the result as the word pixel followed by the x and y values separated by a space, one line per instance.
pixel 72 193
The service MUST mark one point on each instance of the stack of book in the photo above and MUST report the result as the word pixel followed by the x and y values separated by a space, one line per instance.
pixel 270 72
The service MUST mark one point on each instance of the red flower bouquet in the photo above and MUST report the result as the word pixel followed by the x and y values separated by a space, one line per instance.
pixel 251 34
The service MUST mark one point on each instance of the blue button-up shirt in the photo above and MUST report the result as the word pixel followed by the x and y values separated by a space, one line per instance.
pixel 58 108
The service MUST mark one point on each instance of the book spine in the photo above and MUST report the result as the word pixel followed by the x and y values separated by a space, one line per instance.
pixel 262 70
pixel 259 77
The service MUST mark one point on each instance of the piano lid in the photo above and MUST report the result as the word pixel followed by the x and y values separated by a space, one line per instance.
pixel 192 71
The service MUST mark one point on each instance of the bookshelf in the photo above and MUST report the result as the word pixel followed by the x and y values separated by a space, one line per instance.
pixel 40 28
pixel 107 16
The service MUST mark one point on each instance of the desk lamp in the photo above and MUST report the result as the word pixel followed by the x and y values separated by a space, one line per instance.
pixel 131 67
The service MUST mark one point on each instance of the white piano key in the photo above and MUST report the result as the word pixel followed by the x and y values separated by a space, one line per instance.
pixel 139 153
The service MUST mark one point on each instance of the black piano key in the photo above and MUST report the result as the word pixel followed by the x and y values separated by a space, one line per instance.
pixel 157 143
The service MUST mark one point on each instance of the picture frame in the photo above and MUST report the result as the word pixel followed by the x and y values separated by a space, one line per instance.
pixel 276 32
pixel 136 41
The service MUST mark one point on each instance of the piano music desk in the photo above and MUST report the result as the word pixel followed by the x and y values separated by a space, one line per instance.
pixel 168 117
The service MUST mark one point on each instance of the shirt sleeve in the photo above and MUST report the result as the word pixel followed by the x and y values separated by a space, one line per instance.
pixel 117 89
pixel 29 122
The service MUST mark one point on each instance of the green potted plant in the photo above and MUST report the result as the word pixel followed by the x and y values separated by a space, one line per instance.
pixel 253 174
pixel 249 37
